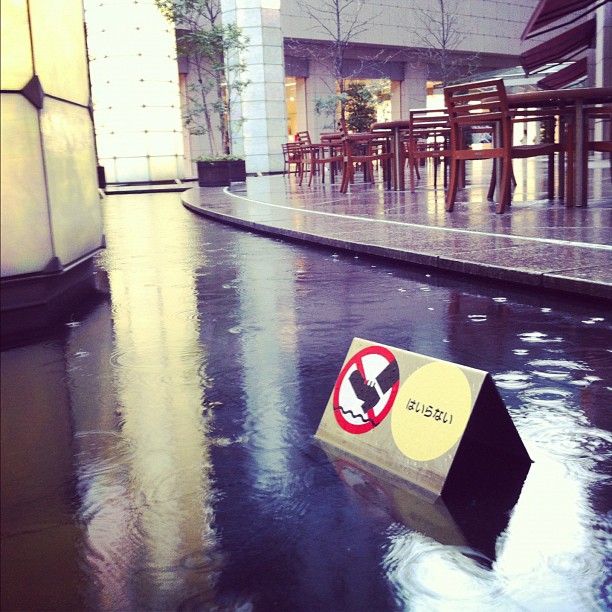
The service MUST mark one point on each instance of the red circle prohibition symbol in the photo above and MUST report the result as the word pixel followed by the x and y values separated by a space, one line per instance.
pixel 366 389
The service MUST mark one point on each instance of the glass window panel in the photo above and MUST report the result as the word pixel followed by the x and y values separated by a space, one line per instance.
pixel 15 49
pixel 25 234
pixel 121 119
pixel 163 143
pixel 72 179
pixel 132 169
pixel 104 144
pixel 59 48
pixel 155 116
pixel 109 169
pixel 165 168
pixel 162 93
pixel 128 144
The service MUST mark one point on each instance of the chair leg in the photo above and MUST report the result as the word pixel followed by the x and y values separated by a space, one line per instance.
pixel 451 195
pixel 551 176
pixel 492 182
pixel 313 169
pixel 505 186
pixel 345 177
pixel 368 172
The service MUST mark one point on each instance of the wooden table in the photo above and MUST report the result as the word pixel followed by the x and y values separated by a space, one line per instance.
pixel 395 128
pixel 577 98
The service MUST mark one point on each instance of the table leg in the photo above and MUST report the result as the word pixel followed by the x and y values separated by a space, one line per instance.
pixel 397 163
pixel 580 168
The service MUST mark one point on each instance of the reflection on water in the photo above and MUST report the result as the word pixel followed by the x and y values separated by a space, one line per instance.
pixel 157 451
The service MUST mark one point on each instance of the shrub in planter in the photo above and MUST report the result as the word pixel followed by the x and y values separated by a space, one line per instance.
pixel 213 52
pixel 220 171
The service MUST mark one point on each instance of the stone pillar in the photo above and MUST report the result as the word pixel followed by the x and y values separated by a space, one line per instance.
pixel 262 105
pixel 414 88
pixel 321 85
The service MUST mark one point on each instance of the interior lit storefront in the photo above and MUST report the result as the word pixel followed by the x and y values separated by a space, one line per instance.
pixel 297 104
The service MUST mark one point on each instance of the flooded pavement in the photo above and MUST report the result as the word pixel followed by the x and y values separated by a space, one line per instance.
pixel 158 452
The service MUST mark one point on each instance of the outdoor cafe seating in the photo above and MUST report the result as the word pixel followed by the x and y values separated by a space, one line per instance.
pixel 292 158
pixel 364 148
pixel 481 121
pixel 341 151
pixel 599 129
pixel 483 106
pixel 427 138
pixel 315 156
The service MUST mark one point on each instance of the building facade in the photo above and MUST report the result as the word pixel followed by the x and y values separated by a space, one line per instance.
pixel 296 53
pixel 289 61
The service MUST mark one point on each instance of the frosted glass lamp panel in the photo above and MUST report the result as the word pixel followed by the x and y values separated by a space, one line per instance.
pixel 58 37
pixel 15 49
pixel 165 168
pixel 129 170
pixel 72 179
pixel 24 220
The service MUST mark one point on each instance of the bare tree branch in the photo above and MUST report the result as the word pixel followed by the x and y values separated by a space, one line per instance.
pixel 439 37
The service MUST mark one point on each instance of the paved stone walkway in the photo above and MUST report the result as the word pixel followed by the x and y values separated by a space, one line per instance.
pixel 537 243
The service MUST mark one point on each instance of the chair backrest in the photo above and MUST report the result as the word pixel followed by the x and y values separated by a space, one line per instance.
pixel 428 128
pixel 291 150
pixel 476 103
pixel 303 138
pixel 477 107
pixel 600 128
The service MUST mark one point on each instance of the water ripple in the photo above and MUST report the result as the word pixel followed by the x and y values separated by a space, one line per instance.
pixel 538 337
pixel 548 397
pixel 514 380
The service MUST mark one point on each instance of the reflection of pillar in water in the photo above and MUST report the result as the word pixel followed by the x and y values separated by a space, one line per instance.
pixel 152 538
pixel 270 371
pixel 40 538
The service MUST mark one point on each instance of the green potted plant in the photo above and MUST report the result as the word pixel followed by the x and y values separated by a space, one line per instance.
pixel 359 107
pixel 213 52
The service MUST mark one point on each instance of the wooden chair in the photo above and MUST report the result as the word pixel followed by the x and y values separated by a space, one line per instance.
pixel 428 138
pixel 292 158
pixel 599 131
pixel 364 148
pixel 316 156
pixel 483 107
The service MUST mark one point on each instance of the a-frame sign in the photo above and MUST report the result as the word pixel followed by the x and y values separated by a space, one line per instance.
pixel 439 425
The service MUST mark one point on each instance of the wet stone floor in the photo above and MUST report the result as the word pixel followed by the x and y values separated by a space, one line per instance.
pixel 158 451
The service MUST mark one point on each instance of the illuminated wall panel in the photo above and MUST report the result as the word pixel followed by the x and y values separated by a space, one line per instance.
pixel 69 153
pixel 15 49
pixel 135 91
pixel 58 26
pixel 26 234
pixel 51 222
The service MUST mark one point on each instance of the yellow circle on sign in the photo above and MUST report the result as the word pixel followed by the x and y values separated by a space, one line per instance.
pixel 431 411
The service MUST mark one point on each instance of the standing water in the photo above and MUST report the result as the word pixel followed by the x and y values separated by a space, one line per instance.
pixel 158 452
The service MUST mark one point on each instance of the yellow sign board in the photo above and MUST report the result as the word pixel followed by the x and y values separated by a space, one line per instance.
pixel 428 421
